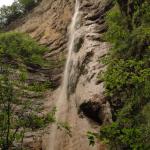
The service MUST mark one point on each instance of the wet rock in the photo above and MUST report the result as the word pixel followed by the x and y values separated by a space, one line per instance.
pixel 95 37
pixel 78 44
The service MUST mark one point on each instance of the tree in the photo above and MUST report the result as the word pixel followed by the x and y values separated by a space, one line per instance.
pixel 18 8
pixel 10 13
pixel 18 112
pixel 9 123
pixel 28 4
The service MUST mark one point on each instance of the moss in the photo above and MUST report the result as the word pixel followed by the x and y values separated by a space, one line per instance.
pixel 40 87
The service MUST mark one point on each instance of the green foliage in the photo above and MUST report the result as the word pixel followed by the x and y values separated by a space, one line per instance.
pixel 18 8
pixel 23 75
pixel 16 112
pixel 127 75
pixel 20 48
pixel 10 13
pixel 40 87
pixel 125 138
pixel 28 4
pixel 127 78
pixel 64 126
pixel 36 122
pixel 91 137
pixel 18 53
pixel 127 43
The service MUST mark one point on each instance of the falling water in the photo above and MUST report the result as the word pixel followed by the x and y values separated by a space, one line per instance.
pixel 62 102
pixel 70 49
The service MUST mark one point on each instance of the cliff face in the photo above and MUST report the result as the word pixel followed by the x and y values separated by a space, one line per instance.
pixel 48 23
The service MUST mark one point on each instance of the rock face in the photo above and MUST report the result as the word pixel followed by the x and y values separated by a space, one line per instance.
pixel 48 23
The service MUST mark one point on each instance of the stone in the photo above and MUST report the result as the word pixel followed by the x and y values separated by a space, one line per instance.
pixel 92 110
pixel 78 44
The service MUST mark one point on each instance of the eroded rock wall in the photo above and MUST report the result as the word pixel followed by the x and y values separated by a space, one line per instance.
pixel 83 84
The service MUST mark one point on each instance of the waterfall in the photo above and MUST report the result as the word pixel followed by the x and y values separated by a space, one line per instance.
pixel 62 102
pixel 72 31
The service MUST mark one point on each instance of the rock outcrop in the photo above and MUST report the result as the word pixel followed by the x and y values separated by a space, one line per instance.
pixel 48 23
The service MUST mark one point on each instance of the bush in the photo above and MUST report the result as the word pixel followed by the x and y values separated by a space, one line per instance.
pixel 40 87
pixel 20 48
pixel 36 122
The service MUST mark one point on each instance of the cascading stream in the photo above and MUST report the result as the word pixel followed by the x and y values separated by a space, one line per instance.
pixel 62 103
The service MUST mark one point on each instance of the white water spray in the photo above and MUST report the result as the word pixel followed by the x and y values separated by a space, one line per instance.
pixel 62 103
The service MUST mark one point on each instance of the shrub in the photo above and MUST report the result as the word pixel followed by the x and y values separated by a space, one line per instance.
pixel 40 87
pixel 35 122
pixel 20 48
pixel 127 78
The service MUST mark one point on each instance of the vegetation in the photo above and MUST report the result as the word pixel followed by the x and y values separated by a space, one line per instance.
pixel 19 56
pixel 28 4
pixel 16 113
pixel 127 79
pixel 16 10
pixel 10 13
pixel 19 48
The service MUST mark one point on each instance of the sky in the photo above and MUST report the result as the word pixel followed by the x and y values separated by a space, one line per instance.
pixel 6 2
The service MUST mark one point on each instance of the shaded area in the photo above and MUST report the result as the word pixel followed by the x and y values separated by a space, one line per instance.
pixel 91 110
